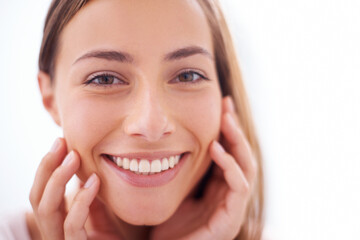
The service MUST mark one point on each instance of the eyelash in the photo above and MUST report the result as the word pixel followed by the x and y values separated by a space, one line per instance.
pixel 200 78
pixel 97 76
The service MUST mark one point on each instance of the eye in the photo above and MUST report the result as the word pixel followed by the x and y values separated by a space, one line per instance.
pixel 190 77
pixel 105 79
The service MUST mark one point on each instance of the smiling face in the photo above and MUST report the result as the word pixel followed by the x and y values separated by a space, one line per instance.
pixel 137 80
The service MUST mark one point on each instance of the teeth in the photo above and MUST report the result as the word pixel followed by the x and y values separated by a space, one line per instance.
pixel 146 167
pixel 119 161
pixel 156 166
pixel 134 165
pixel 164 164
pixel 126 163
pixel 171 162
pixel 177 158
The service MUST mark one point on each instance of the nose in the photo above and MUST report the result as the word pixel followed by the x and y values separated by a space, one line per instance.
pixel 148 118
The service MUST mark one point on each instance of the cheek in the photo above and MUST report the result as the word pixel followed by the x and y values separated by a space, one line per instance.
pixel 200 114
pixel 85 122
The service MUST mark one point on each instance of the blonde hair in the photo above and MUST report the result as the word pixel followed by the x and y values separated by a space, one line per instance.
pixel 229 75
pixel 231 83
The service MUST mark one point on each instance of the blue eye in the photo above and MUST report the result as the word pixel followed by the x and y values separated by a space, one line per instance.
pixel 189 77
pixel 105 79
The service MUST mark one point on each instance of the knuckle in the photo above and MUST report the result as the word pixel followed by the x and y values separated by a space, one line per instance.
pixel 33 199
pixel 56 175
pixel 44 160
pixel 68 227
pixel 43 212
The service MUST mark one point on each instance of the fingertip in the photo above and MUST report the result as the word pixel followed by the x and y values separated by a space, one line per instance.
pixel 59 146
pixel 71 162
pixel 217 147
pixel 229 104
pixel 217 153
pixel 92 180
pixel 68 159
pixel 56 145
pixel 230 119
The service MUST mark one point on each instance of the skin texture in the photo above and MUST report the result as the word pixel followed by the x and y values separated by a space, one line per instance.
pixel 146 109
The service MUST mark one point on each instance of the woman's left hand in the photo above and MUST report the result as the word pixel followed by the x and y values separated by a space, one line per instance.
pixel 220 213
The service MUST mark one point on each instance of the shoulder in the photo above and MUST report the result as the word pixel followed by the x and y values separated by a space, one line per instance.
pixel 13 226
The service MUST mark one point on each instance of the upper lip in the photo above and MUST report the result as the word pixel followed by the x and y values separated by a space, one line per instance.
pixel 147 155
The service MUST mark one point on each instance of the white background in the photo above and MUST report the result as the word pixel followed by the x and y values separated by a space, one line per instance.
pixel 301 66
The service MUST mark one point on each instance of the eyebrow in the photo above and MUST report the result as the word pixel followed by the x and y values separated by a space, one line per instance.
pixel 187 52
pixel 107 55
pixel 127 58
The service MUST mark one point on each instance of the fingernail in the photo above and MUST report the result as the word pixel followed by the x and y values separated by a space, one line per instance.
pixel 218 147
pixel 90 181
pixel 55 145
pixel 231 119
pixel 68 158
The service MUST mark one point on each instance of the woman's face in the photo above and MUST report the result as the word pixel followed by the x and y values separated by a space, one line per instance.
pixel 137 80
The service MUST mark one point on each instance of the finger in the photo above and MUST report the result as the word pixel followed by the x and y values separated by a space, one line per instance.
pixel 55 189
pixel 47 166
pixel 50 212
pixel 233 174
pixel 228 106
pixel 228 218
pixel 239 146
pixel 79 211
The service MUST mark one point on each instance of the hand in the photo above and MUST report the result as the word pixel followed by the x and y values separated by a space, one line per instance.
pixel 221 211
pixel 48 201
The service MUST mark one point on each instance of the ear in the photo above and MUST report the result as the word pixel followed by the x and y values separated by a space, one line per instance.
pixel 47 90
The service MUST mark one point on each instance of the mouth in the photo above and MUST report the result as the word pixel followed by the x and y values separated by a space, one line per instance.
pixel 144 166
pixel 146 170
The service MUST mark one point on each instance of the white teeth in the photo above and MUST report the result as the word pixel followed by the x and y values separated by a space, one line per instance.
pixel 126 163
pixel 177 158
pixel 119 161
pixel 144 166
pixel 171 162
pixel 156 166
pixel 134 165
pixel 164 164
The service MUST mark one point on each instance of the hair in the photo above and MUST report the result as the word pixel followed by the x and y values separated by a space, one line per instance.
pixel 229 75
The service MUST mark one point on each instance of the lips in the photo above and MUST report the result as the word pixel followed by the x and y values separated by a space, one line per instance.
pixel 146 170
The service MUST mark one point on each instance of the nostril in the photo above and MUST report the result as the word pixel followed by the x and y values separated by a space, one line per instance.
pixel 149 127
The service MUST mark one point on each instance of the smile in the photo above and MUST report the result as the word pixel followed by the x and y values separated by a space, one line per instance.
pixel 145 166
pixel 146 170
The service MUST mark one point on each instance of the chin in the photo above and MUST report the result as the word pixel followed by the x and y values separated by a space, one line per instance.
pixel 149 216
pixel 146 220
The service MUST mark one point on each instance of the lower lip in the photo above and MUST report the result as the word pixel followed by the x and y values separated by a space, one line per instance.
pixel 140 180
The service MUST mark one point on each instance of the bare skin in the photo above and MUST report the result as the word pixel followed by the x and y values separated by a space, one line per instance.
pixel 213 217
pixel 153 102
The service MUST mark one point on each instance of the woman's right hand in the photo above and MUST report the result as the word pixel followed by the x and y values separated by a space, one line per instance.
pixel 47 195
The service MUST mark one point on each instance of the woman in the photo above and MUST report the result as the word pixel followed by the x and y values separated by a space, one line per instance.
pixel 156 125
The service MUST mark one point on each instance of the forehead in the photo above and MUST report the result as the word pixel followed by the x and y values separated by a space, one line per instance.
pixel 143 28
